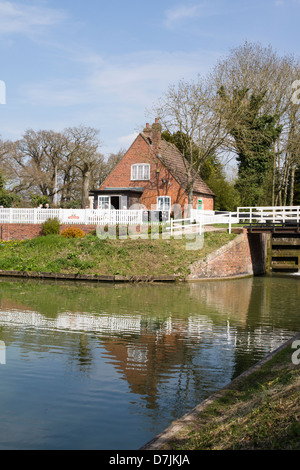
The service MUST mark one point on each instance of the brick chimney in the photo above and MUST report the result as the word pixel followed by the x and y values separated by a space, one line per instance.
pixel 153 134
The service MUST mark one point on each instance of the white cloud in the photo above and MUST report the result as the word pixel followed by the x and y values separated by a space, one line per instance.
pixel 111 92
pixel 141 76
pixel 181 12
pixel 134 79
pixel 18 18
pixel 287 2
pixel 55 93
pixel 127 140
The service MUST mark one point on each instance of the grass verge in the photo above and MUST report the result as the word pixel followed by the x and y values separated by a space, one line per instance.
pixel 91 255
pixel 260 411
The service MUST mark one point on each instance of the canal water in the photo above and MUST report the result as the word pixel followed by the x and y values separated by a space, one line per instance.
pixel 90 366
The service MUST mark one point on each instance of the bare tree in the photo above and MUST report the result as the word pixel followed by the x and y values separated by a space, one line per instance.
pixel 260 71
pixel 57 165
pixel 83 147
pixel 192 109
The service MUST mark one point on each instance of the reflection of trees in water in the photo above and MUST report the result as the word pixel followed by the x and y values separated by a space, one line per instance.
pixel 81 355
pixel 272 313
pixel 257 309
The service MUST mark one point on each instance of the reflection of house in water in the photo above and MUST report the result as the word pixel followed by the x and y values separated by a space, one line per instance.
pixel 149 359
pixel 149 350
pixel 146 350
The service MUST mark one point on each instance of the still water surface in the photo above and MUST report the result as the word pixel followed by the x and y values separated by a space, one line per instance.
pixel 110 366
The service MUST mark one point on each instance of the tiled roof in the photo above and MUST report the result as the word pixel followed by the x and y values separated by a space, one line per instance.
pixel 172 158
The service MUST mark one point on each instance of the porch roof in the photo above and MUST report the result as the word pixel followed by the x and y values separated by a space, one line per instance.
pixel 118 190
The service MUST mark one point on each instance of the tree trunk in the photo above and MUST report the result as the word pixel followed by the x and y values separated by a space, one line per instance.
pixel 274 176
pixel 85 189
pixel 291 201
pixel 190 201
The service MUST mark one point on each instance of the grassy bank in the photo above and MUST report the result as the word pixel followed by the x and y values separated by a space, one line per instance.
pixel 259 411
pixel 91 255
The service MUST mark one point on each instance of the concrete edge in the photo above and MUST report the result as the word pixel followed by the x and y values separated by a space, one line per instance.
pixel 225 278
pixel 176 426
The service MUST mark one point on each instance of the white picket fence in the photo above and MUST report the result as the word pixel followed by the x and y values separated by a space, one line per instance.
pixel 265 214
pixel 74 216
pixel 198 218
pixel 213 218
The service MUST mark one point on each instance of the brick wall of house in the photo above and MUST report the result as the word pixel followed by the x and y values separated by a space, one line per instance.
pixel 208 202
pixel 245 255
pixel 29 231
pixel 140 152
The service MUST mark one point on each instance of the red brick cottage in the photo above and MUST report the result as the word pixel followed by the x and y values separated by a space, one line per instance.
pixel 151 173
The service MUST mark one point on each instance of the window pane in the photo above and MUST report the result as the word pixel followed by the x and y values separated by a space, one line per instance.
pixel 140 172
pixel 163 203
pixel 133 172
pixel 167 203
pixel 103 202
pixel 146 174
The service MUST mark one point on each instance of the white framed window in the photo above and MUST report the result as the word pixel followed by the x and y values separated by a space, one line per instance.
pixel 140 171
pixel 163 203
pixel 103 202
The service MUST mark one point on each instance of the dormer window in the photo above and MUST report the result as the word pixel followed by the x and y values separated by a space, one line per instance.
pixel 140 171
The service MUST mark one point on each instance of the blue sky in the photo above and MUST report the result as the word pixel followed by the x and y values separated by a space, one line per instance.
pixel 103 63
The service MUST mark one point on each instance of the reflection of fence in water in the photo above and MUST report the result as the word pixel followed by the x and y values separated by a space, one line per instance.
pixel 74 322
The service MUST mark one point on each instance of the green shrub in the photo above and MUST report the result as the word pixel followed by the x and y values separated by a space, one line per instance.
pixel 51 227
pixel 73 232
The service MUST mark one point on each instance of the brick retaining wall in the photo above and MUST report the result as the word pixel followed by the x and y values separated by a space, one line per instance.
pixel 245 255
pixel 28 231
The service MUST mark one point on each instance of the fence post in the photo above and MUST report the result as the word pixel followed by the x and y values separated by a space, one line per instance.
pixel 200 224
pixel 172 221
pixel 229 222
